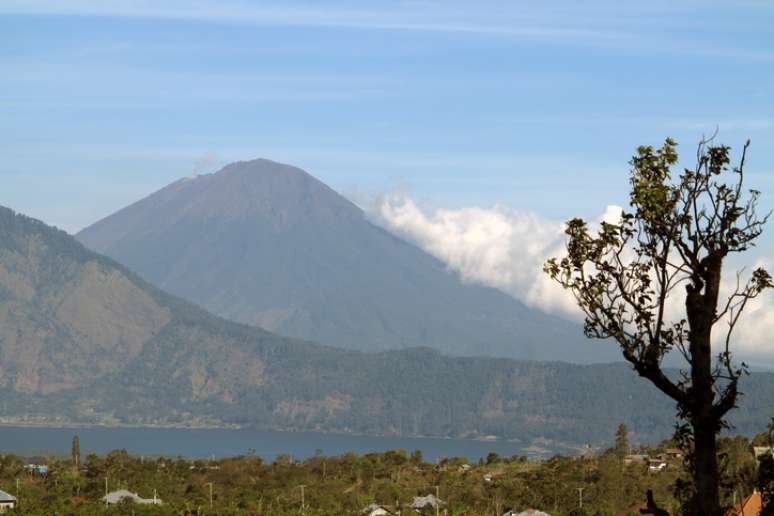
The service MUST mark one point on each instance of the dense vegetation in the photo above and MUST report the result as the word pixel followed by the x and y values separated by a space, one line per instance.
pixel 347 484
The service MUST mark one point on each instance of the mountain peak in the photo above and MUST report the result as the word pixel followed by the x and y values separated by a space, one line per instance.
pixel 267 244
pixel 258 191
pixel 262 165
pixel 256 172
pixel 263 168
pixel 273 190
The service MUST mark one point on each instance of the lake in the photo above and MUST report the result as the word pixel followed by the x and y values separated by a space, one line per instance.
pixel 203 443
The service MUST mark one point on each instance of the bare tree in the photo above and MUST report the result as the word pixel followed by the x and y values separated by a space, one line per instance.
pixel 625 275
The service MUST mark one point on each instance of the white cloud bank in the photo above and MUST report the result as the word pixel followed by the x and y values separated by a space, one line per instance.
pixel 498 247
pixel 506 249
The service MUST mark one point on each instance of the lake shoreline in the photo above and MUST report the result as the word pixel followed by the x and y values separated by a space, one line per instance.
pixel 200 442
pixel 76 425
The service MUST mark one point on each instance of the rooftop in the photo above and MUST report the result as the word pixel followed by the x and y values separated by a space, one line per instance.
pixel 121 494
pixel 750 506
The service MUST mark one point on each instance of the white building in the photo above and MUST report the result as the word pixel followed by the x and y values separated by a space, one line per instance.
pixel 376 510
pixel 7 501
pixel 429 501
pixel 122 494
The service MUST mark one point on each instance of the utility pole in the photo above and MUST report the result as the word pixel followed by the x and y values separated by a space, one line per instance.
pixel 18 498
pixel 210 484
pixel 302 486
pixel 437 499
pixel 106 490
pixel 580 497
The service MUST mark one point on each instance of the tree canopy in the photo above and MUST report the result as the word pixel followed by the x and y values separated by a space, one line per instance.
pixel 625 278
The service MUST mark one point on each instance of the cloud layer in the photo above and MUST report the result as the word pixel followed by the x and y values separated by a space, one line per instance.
pixel 506 249
pixel 498 247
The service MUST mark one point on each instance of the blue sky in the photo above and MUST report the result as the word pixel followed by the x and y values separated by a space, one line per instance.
pixel 532 105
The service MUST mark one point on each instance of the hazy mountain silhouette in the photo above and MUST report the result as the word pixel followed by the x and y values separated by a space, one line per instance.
pixel 267 244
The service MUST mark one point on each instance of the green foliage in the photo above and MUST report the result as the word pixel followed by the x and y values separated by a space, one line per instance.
pixel 492 458
pixel 677 235
pixel 765 483
pixel 765 473
pixel 623 275
pixel 75 451
pixel 337 485
pixel 622 440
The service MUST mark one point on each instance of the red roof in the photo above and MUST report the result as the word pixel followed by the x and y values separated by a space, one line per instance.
pixel 750 506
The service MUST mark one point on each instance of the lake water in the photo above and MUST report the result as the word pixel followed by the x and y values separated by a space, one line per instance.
pixel 203 443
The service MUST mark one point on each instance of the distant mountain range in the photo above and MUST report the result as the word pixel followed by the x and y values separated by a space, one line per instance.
pixel 84 340
pixel 268 245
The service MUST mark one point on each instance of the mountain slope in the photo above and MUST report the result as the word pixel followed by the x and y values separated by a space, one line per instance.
pixel 267 244
pixel 84 340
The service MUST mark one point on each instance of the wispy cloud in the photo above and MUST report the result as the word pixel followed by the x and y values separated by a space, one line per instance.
pixel 43 85
pixel 405 16
pixel 497 246
pixel 722 124
pixel 653 28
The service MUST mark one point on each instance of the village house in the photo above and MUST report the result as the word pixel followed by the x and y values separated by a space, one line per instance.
pixel 37 469
pixel 430 501
pixel 760 451
pixel 7 501
pixel 673 453
pixel 375 509
pixel 750 506
pixel 656 465
pixel 631 459
pixel 120 495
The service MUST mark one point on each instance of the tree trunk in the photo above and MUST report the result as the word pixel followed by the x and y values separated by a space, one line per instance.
pixel 700 308
pixel 706 476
